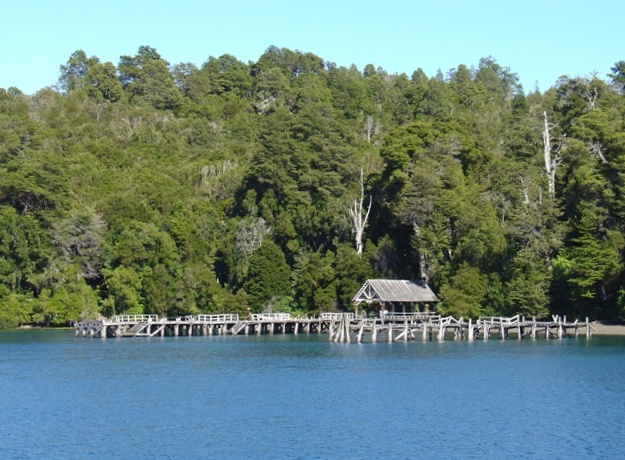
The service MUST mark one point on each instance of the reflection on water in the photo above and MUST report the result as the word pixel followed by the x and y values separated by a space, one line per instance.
pixel 302 397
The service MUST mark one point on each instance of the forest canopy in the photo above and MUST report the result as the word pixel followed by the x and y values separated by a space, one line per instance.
pixel 283 184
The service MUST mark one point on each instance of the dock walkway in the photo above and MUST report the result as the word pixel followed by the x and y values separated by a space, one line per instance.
pixel 340 327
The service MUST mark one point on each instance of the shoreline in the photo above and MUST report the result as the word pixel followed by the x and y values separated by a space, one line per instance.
pixel 607 329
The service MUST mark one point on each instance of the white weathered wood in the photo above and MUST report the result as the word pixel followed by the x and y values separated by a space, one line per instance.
pixel 339 329
pixel 356 212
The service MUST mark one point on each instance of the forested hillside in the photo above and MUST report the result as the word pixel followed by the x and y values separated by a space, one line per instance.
pixel 146 187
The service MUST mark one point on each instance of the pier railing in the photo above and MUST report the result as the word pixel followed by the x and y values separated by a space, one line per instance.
pixel 336 316
pixel 133 319
pixel 420 316
pixel 271 317
pixel 396 326
pixel 500 320
pixel 216 318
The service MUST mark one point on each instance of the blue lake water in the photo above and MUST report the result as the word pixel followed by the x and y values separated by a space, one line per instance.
pixel 303 397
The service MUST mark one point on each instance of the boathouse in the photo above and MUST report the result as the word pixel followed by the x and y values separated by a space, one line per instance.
pixel 396 295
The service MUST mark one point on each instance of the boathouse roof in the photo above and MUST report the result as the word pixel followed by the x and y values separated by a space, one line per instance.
pixel 395 291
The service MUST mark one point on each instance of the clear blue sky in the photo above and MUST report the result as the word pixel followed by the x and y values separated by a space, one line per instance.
pixel 539 40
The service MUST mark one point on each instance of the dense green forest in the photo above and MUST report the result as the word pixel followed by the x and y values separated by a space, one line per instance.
pixel 284 184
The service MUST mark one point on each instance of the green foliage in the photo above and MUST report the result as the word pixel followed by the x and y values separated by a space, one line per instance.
pixel 618 74
pixel 75 73
pixel 15 309
pixel 463 295
pixel 104 83
pixel 528 286
pixel 314 280
pixel 268 277
pixel 214 188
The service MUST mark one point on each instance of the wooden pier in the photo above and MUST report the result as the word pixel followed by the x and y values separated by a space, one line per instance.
pixel 340 327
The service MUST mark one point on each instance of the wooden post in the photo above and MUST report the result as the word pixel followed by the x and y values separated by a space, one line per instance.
pixel 588 333
pixel 374 331
pixel 470 332
pixel 390 332
pixel 342 329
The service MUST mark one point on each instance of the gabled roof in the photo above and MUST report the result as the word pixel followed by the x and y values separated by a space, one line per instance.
pixel 395 291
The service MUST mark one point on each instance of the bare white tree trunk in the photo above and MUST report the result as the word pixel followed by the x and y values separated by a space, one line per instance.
pixel 551 162
pixel 423 262
pixel 597 152
pixel 370 128
pixel 526 193
pixel 356 212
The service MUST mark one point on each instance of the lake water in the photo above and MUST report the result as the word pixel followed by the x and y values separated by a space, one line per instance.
pixel 303 397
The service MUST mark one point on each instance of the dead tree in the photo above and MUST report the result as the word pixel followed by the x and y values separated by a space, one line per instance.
pixel 423 256
pixel 551 161
pixel 356 212
pixel 370 128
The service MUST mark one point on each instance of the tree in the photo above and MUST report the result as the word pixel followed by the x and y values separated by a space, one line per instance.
pixel 103 81
pixel 74 73
pixel 464 293
pixel 79 239
pixel 143 269
pixel 314 281
pixel 155 86
pixel 618 75
pixel 356 213
pixel 268 277
pixel 552 161
pixel 130 67
pixel 528 287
